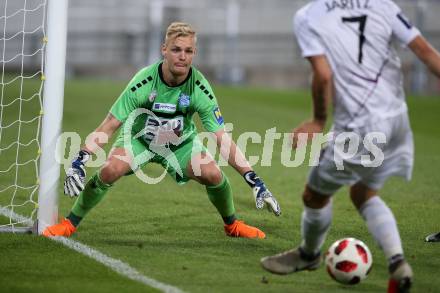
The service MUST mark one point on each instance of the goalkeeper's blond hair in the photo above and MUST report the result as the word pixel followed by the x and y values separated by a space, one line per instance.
pixel 179 29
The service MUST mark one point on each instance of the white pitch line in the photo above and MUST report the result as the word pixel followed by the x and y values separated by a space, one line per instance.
pixel 16 217
pixel 115 264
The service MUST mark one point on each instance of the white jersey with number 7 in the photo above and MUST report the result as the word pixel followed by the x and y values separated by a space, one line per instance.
pixel 356 37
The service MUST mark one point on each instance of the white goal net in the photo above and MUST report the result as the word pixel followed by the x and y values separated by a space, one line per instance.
pixel 22 47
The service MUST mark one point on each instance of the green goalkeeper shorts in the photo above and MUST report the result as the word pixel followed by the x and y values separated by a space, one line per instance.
pixel 175 161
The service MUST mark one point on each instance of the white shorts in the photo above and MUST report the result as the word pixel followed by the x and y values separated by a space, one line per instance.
pixel 334 171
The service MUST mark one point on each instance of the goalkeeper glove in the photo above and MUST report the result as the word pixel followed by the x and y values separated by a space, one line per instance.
pixel 262 194
pixel 76 175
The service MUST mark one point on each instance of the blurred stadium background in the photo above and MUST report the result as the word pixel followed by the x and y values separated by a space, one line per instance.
pixel 240 42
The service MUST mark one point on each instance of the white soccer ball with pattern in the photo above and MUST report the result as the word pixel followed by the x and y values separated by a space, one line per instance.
pixel 348 261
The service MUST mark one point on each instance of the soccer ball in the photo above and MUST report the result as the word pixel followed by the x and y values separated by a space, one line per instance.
pixel 348 261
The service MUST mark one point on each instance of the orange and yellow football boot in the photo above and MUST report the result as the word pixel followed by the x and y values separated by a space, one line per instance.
pixel 240 229
pixel 65 228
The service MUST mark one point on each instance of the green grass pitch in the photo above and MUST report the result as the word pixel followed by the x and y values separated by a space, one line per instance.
pixel 173 234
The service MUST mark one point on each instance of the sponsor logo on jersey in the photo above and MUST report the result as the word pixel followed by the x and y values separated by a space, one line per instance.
pixel 184 100
pixel 152 96
pixel 218 115
pixel 164 107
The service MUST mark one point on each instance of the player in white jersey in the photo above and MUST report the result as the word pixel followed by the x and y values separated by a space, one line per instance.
pixel 349 46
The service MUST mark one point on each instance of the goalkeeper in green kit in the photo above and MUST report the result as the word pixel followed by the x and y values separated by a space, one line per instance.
pixel 154 114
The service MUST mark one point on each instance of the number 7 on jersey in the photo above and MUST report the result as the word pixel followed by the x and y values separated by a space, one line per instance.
pixel 362 21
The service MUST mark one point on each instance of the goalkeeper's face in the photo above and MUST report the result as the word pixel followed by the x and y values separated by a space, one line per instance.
pixel 178 54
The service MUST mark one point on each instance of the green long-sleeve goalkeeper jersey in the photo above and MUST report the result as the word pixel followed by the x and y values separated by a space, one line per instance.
pixel 168 106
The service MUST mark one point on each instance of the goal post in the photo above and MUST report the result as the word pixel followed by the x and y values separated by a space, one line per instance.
pixel 53 97
pixel 33 35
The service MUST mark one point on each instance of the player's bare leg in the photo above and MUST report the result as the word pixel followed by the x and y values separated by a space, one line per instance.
pixel 382 225
pixel 204 170
pixel 315 223
pixel 116 166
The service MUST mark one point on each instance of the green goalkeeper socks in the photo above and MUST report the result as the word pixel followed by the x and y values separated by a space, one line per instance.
pixel 93 193
pixel 74 219
pixel 221 197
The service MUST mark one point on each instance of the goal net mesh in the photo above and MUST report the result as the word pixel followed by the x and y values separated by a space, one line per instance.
pixel 22 45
